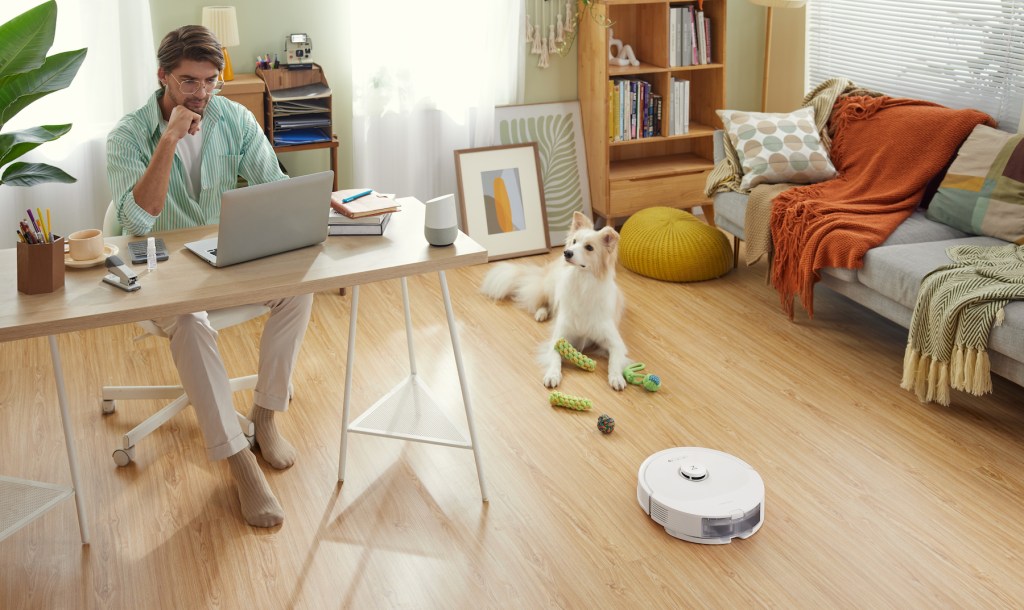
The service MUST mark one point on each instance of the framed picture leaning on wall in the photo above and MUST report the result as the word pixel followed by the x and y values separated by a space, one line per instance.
pixel 558 132
pixel 501 199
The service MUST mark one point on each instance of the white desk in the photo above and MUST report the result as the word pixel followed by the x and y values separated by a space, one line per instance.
pixel 184 284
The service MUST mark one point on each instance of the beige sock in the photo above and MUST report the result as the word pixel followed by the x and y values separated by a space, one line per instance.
pixel 259 506
pixel 278 452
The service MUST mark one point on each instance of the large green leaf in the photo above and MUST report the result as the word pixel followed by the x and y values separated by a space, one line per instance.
pixel 20 90
pixel 25 39
pixel 556 144
pixel 29 174
pixel 16 143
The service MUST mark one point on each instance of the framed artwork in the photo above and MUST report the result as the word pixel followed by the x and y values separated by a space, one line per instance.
pixel 501 199
pixel 558 132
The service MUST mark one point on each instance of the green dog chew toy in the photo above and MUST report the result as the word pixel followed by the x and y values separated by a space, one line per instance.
pixel 574 356
pixel 576 403
pixel 650 381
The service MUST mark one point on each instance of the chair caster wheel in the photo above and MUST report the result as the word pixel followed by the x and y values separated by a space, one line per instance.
pixel 123 457
pixel 108 406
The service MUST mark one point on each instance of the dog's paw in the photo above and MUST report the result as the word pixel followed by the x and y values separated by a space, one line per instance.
pixel 553 378
pixel 541 314
pixel 617 381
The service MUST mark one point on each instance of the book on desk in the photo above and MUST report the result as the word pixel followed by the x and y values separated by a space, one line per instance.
pixel 339 224
pixel 356 203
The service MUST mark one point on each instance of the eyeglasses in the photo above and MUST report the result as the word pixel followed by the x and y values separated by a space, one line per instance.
pixel 191 86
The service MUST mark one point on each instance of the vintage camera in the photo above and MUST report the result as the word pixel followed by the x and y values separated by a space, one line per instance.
pixel 298 49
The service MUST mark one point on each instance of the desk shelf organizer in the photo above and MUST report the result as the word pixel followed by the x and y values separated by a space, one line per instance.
pixel 297 111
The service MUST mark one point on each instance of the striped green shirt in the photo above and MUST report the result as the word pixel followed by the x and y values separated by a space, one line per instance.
pixel 233 145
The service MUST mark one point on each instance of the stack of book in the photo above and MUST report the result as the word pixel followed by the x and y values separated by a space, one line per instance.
pixel 360 212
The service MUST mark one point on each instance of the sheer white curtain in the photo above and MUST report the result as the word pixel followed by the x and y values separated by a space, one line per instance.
pixel 959 53
pixel 117 76
pixel 426 77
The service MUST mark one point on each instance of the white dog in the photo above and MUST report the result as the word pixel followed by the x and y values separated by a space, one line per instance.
pixel 579 291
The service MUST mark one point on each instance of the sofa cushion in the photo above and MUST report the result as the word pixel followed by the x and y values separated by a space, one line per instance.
pixel 918 228
pixel 897 271
pixel 983 190
pixel 915 229
pixel 777 147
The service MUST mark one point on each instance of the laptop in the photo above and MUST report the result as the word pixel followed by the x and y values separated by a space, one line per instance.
pixel 265 219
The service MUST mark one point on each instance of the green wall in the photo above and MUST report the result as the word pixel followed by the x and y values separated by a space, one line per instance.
pixel 263 26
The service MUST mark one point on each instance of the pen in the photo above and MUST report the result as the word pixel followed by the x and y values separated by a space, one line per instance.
pixel 20 236
pixel 356 196
pixel 42 225
pixel 33 224
pixel 49 225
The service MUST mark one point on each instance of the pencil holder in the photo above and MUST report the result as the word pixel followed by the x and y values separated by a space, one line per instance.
pixel 41 266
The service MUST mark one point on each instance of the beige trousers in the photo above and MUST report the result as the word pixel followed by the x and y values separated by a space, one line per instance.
pixel 205 380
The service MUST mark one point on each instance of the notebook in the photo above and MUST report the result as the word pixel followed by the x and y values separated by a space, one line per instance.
pixel 266 219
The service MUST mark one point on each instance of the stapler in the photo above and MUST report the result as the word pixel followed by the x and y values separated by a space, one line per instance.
pixel 120 275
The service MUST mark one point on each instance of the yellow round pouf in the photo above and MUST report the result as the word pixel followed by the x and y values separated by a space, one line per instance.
pixel 673 245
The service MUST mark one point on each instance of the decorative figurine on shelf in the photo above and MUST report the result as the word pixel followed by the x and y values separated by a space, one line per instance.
pixel 623 56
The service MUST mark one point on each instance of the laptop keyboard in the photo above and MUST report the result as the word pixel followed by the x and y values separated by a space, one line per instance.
pixel 213 251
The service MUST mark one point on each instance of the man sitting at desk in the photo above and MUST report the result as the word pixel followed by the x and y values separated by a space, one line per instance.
pixel 168 164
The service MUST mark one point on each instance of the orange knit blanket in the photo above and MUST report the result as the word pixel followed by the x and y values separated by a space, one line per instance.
pixel 886 150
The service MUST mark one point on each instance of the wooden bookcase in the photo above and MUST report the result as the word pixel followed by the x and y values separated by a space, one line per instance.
pixel 663 170
pixel 278 79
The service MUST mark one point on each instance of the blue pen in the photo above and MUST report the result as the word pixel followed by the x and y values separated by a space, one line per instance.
pixel 356 196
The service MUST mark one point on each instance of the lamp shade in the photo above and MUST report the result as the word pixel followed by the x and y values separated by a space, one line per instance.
pixel 780 3
pixel 222 21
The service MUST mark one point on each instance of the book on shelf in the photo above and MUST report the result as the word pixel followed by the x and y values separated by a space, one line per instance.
pixel 353 204
pixel 339 224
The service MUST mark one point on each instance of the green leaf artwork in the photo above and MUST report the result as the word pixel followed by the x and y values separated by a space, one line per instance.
pixel 556 130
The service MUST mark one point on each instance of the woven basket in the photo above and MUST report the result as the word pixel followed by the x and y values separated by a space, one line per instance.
pixel 672 245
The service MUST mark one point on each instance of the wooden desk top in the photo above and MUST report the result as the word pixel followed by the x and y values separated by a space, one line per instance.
pixel 184 283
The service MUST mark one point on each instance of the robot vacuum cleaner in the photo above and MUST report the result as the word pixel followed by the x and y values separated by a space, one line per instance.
pixel 701 495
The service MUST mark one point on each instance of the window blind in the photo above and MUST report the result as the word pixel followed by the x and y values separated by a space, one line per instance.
pixel 958 53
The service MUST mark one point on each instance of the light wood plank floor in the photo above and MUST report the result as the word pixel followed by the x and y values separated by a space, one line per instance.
pixel 873 499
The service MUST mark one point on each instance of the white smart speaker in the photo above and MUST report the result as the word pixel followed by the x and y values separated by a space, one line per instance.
pixel 441 223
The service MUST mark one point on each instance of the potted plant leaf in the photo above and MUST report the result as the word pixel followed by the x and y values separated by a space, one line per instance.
pixel 27 74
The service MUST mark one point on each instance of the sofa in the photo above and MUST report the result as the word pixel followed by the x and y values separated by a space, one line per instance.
pixel 892 272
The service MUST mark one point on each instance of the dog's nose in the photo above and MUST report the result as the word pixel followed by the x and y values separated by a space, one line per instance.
pixel 567 254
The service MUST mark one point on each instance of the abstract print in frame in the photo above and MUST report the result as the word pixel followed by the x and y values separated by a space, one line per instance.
pixel 501 201
pixel 557 130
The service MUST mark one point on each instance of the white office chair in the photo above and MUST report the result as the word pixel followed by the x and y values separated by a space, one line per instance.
pixel 221 318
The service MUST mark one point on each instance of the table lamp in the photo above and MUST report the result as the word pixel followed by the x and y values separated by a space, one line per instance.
pixel 771 4
pixel 222 21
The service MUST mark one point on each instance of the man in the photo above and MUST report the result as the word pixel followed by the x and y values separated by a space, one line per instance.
pixel 168 164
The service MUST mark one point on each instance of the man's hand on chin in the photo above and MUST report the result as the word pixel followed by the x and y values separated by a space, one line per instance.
pixel 182 121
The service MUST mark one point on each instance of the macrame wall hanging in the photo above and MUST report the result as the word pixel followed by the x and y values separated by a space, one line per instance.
pixel 551 29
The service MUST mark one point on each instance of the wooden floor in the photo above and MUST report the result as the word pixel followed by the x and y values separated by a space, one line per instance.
pixel 873 499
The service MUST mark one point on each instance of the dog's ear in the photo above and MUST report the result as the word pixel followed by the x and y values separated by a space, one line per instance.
pixel 609 237
pixel 579 221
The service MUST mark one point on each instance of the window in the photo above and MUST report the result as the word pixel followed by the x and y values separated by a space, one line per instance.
pixel 958 53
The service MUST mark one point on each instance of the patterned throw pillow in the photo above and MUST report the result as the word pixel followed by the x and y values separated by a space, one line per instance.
pixel 983 191
pixel 777 147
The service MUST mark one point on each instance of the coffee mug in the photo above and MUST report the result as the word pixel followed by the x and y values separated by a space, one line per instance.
pixel 86 245
pixel 441 223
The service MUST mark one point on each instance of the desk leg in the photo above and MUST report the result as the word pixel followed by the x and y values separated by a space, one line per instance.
pixel 350 360
pixel 69 439
pixel 457 349
pixel 408 326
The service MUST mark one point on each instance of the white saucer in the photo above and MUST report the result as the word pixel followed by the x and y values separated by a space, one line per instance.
pixel 108 250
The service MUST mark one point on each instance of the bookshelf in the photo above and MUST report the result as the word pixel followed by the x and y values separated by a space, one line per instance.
pixel 295 102
pixel 662 170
